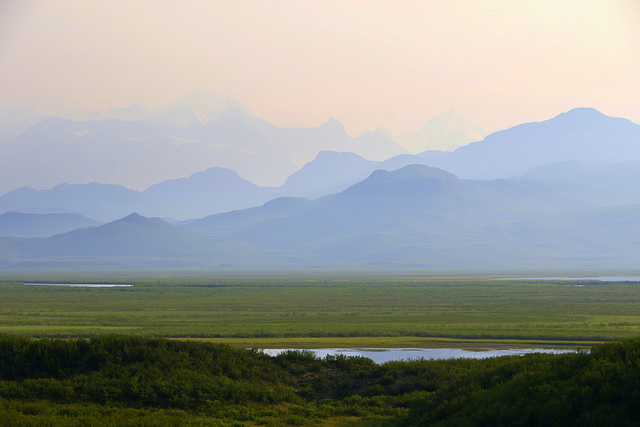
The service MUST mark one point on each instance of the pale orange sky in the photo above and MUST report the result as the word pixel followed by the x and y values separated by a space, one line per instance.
pixel 295 63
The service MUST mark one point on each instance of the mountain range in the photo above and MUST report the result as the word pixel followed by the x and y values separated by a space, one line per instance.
pixel 561 193
pixel 136 147
pixel 417 216
pixel 507 153
pixel 582 134
pixel 18 224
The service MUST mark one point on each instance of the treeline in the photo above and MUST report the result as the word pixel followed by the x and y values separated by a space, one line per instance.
pixel 146 381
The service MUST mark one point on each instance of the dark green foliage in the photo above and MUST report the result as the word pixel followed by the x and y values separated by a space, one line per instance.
pixel 144 381
pixel 596 389
pixel 146 371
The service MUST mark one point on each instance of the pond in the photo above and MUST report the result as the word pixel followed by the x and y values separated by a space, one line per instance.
pixel 383 355
pixel 592 279
pixel 82 285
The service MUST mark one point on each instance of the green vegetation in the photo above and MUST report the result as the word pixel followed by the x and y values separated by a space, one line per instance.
pixel 320 311
pixel 149 381
pixel 122 375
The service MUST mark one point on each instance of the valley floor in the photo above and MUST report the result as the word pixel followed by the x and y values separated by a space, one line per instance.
pixel 323 311
pixel 118 374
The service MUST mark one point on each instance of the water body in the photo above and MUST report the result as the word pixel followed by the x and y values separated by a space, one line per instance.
pixel 383 355
pixel 592 279
pixel 81 285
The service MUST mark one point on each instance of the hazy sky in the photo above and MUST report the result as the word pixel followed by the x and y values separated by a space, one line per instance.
pixel 367 63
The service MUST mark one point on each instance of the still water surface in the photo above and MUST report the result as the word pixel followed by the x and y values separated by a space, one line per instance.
pixel 383 355
pixel 596 278
pixel 81 285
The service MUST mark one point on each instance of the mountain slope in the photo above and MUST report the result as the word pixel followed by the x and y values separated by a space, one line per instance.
pixel 431 195
pixel 582 134
pixel 17 120
pixel 605 183
pixel 331 172
pixel 229 221
pixel 417 216
pixel 135 241
pixel 447 131
pixel 328 173
pixel 196 108
pixel 133 154
pixel 104 202
pixel 41 225
pixel 138 154
pixel 207 192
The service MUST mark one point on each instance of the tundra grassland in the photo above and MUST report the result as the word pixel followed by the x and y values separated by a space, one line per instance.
pixel 317 311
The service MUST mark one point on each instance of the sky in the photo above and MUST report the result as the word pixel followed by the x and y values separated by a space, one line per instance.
pixel 296 63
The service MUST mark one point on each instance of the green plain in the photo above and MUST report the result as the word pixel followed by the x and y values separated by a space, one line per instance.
pixel 297 311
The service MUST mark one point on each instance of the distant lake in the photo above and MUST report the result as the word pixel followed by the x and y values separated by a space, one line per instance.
pixel 597 278
pixel 81 285
pixel 383 355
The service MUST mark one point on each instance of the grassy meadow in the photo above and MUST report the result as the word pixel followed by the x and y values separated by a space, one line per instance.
pixel 316 311
pixel 123 374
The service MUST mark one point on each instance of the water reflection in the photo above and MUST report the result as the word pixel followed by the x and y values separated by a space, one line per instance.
pixel 383 355
pixel 81 285
pixel 593 279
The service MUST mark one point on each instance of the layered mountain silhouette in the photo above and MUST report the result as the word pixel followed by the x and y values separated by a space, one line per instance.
pixel 447 131
pixel 218 189
pixel 138 154
pixel 571 205
pixel 328 173
pixel 213 190
pixel 430 196
pixel 331 172
pixel 104 202
pixel 18 224
pixel 204 193
pixel 133 241
pixel 582 134
pixel 605 183
pixel 416 216
pixel 17 120
pixel 196 108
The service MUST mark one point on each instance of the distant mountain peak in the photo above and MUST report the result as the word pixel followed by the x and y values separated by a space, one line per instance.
pixel 423 171
pixel 583 110
pixel 133 218
pixel 136 220
pixel 446 131
pixel 446 121
pixel 196 108
pixel 582 134
pixel 408 173
pixel 579 113
pixel 333 124
pixel 233 114
pixel 209 102
pixel 449 114
pixel 216 171
pixel 16 120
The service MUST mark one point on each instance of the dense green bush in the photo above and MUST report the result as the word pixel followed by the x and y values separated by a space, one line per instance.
pixel 131 380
